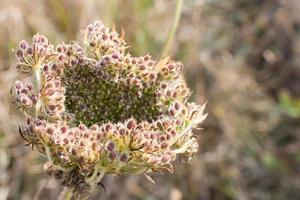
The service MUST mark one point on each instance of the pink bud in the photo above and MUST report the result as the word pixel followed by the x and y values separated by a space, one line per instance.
pixel 23 44
pixel 19 53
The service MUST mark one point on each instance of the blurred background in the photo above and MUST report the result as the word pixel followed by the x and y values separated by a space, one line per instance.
pixel 242 56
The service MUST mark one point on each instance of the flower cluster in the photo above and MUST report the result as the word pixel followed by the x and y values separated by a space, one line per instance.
pixel 99 110
pixel 25 97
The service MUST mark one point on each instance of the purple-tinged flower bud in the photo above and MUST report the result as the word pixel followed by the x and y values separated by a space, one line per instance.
pixel 177 106
pixel 165 159
pixel 29 51
pixel 131 124
pixel 63 129
pixel 29 86
pixel 59 49
pixel 94 127
pixel 23 45
pixel 170 66
pixel 82 127
pixel 46 68
pixel 115 56
pixel 61 58
pixel 152 76
pixel 18 85
pixel 163 145
pixel 142 67
pixel 122 131
pixel 19 53
pixel 108 127
pixel 66 141
pixel 124 157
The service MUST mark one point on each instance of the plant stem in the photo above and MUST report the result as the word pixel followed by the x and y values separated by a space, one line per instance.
pixel 171 33
pixel 100 177
pixel 68 194
pixel 38 84
pixel 65 194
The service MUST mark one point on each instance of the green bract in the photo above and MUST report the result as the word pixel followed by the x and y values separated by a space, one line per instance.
pixel 95 109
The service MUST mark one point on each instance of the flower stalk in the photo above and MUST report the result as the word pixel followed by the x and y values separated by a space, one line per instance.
pixel 38 85
pixel 174 27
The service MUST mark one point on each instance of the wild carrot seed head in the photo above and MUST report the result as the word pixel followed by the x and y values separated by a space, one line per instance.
pixel 99 109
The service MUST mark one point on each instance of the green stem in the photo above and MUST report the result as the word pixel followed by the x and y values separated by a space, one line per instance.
pixel 68 194
pixel 65 194
pixel 171 33
pixel 48 154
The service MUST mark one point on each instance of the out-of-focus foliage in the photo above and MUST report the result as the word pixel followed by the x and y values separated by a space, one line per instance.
pixel 241 56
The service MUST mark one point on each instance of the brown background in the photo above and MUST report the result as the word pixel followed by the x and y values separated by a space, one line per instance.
pixel 242 56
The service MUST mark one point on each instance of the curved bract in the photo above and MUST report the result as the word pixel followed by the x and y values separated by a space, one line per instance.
pixel 95 109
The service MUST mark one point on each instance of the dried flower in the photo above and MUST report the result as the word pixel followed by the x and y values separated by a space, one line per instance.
pixel 95 109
